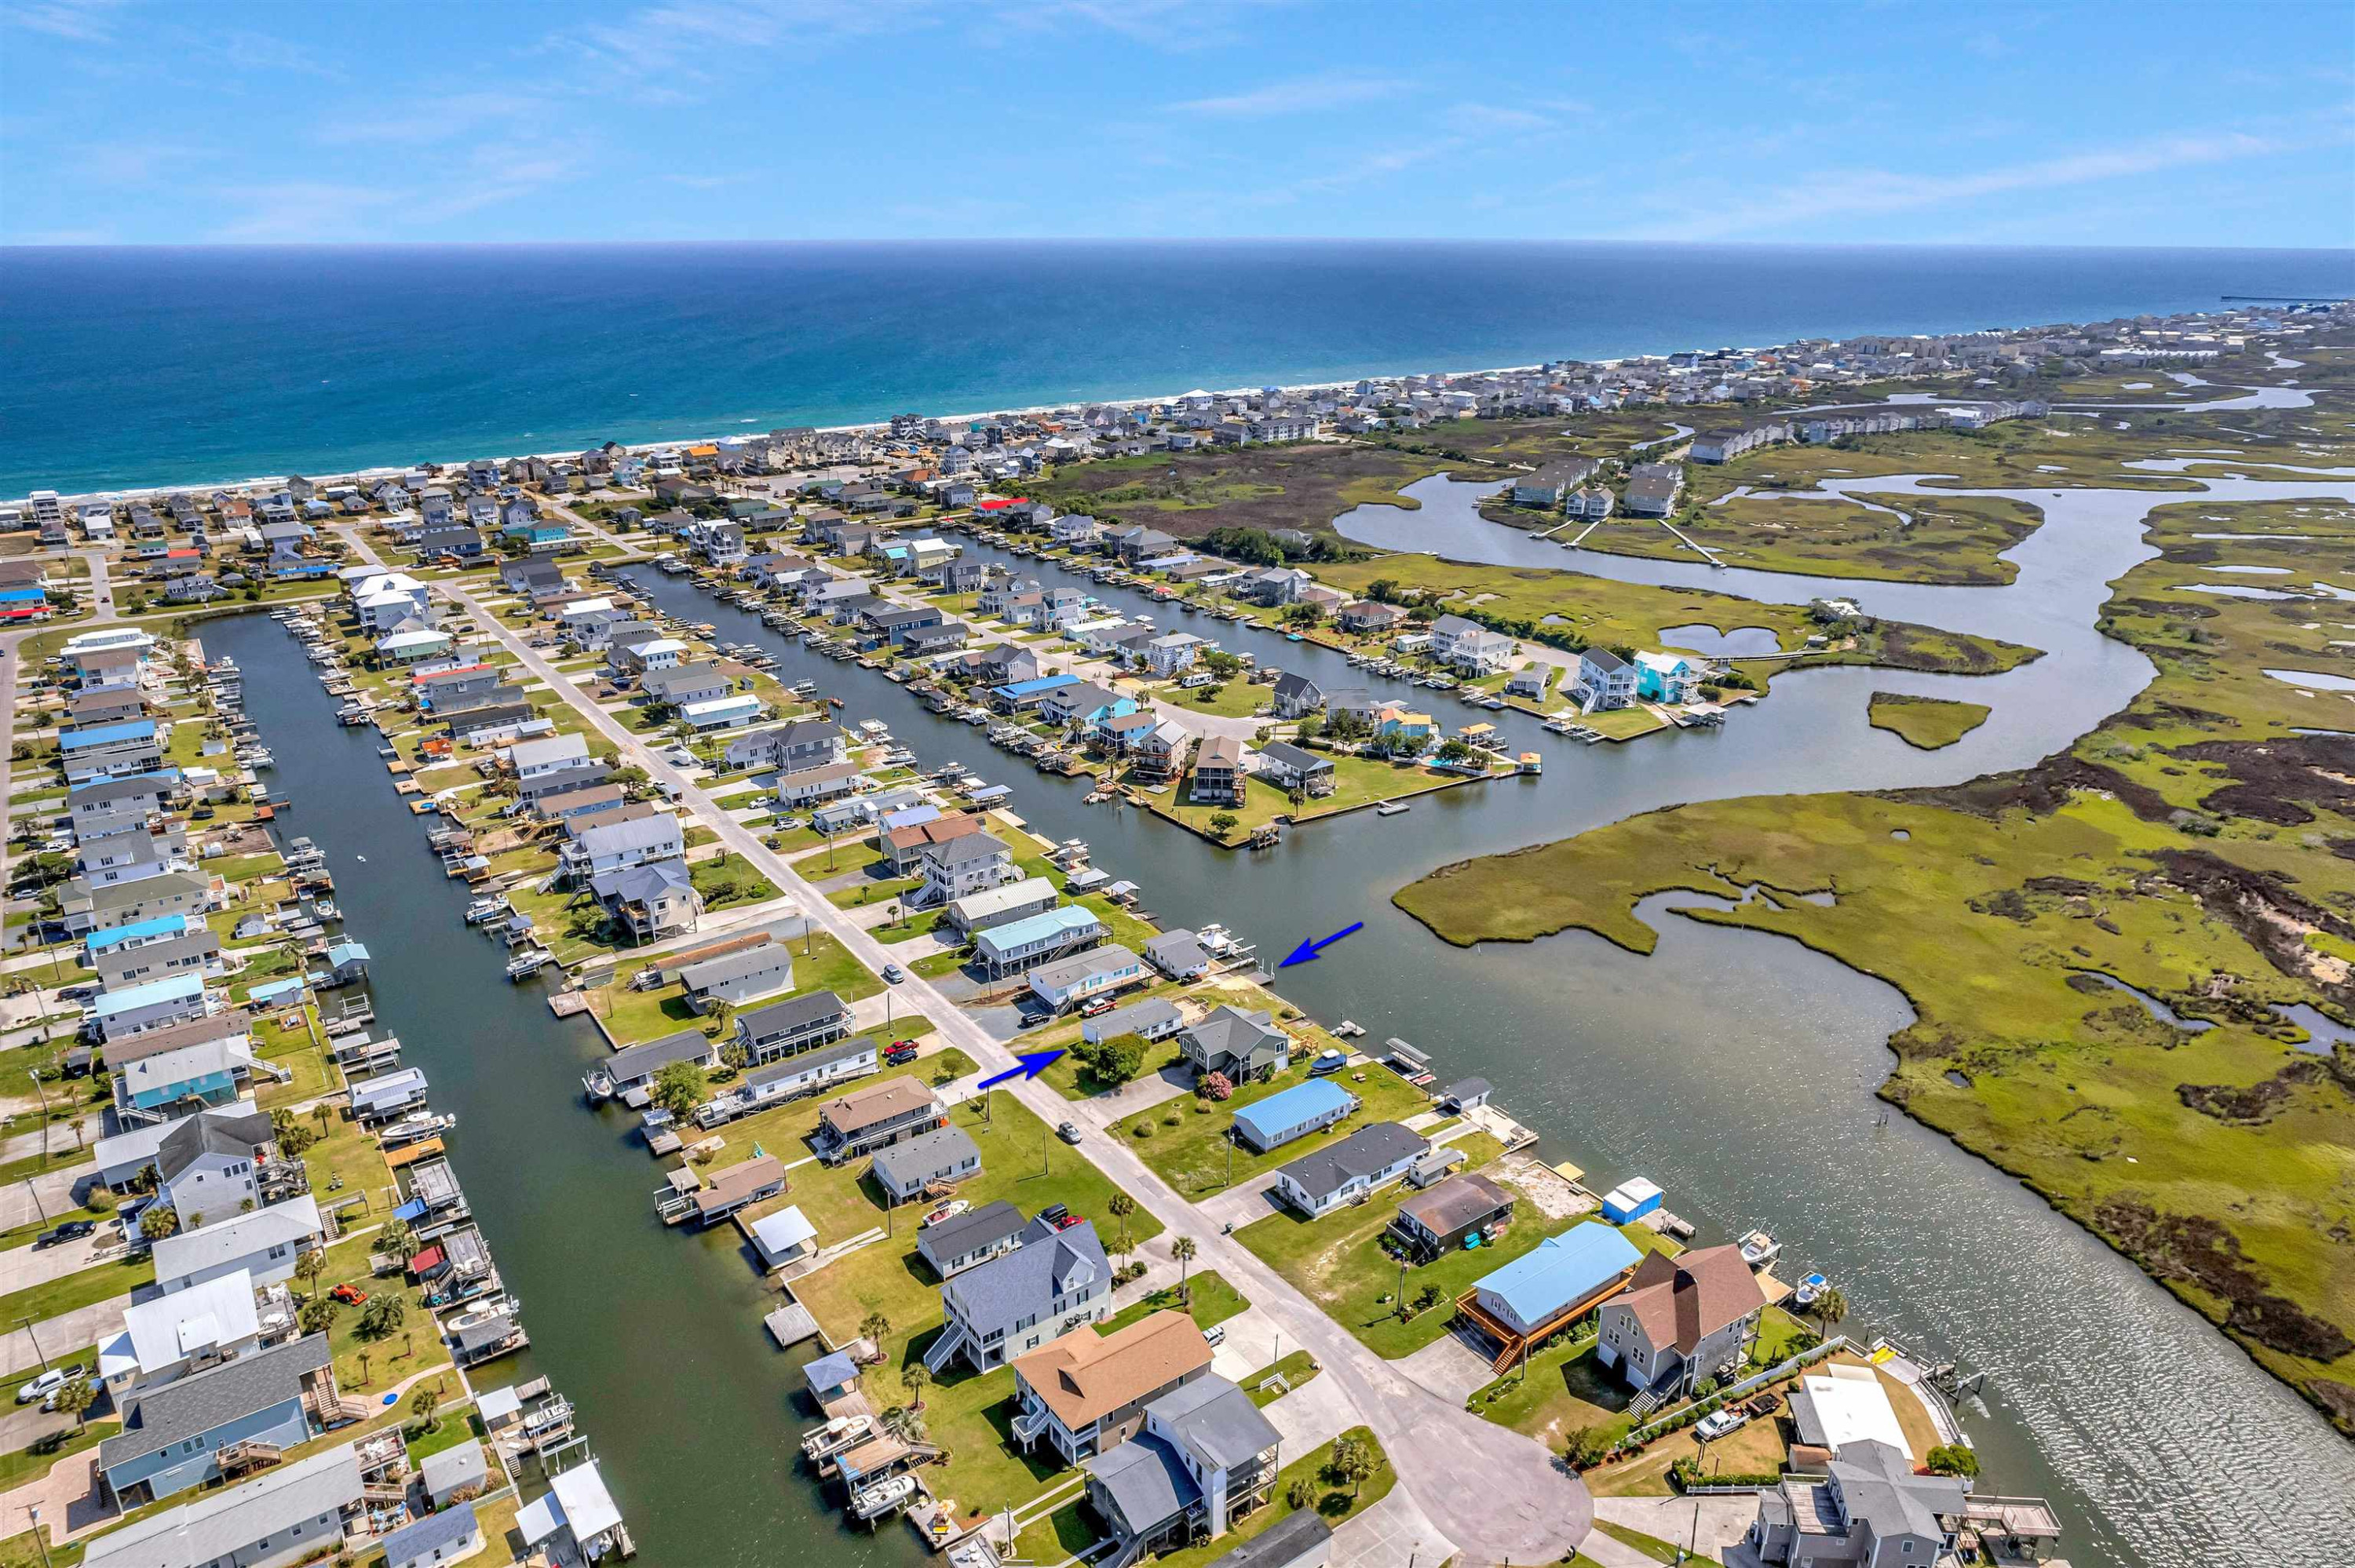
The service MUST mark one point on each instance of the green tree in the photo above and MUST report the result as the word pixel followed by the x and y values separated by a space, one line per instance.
pixel 1354 1462
pixel 915 1376
pixel 1585 1446
pixel 318 1314
pixel 875 1328
pixel 1829 1307
pixel 1223 822
pixel 397 1240
pixel 158 1221
pixel 1114 1060
pixel 1299 1493
pixel 1954 1459
pixel 680 1087
pixel 382 1317
pixel 77 1395
pixel 1120 1206
pixel 308 1267
pixel 1184 1250
pixel 426 1403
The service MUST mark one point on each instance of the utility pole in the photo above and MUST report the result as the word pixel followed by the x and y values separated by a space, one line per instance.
pixel 27 1324
pixel 36 1195
pixel 40 1536
pixel 35 1073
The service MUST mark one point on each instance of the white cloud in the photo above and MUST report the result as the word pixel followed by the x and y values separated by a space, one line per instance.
pixel 1838 192
pixel 1301 95
pixel 79 21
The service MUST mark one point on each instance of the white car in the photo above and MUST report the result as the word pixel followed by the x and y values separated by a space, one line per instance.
pixel 48 1384
pixel 1716 1425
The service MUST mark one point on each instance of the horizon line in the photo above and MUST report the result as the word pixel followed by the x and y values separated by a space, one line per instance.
pixel 1078 240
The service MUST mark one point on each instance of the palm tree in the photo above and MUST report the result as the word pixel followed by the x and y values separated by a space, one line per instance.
pixel 75 1398
pixel 915 1376
pixel 1120 1206
pixel 1185 1251
pixel 875 1328
pixel 308 1267
pixel 1830 1307
pixel 426 1402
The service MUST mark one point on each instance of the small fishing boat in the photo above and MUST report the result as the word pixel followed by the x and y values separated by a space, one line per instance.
pixel 1810 1289
pixel 883 1496
pixel 1759 1249
pixel 528 964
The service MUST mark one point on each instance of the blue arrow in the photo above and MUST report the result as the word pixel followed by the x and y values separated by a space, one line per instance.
pixel 1033 1064
pixel 1307 950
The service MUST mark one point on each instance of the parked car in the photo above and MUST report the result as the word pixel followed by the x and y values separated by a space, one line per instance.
pixel 48 1383
pixel 72 1230
pixel 1215 1335
pixel 893 974
pixel 1097 1008
pixel 899 1053
pixel 1069 1132
pixel 1716 1425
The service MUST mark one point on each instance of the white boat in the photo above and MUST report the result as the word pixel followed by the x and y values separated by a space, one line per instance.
pixel 482 909
pixel 528 964
pixel 1810 1287
pixel 883 1496
pixel 836 1435
pixel 1759 1249
pixel 410 1128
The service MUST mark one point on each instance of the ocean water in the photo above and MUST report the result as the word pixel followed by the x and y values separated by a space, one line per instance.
pixel 139 367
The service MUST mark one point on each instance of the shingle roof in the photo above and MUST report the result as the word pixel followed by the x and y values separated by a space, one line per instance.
pixel 209 1132
pixel 195 1405
pixel 651 1057
pixel 428 1535
pixel 1374 1147
pixel 915 1159
pixel 874 1104
pixel 1456 1203
pixel 1215 1421
pixel 1084 1375
pixel 793 1013
pixel 1049 1264
pixel 220 1524
pixel 1682 1301
pixel 1145 1480
pixel 971 1231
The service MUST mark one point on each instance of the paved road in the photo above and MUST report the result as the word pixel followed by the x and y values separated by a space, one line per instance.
pixel 1497 1495
pixel 63 1335
pixel 22 1267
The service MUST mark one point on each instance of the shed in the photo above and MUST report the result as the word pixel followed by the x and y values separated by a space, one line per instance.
pixel 783 1236
pixel 453 1470
pixel 1631 1200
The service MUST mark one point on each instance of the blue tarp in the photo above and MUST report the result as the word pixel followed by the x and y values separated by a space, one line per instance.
pixel 412 1211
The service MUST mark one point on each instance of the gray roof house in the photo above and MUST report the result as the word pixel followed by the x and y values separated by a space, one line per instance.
pixel 1372 1157
pixel 187 1432
pixel 445 1536
pixel 1870 1509
pixel 633 1068
pixel 906 1169
pixel 1205 1455
pixel 452 1470
pixel 1155 1018
pixel 281 1517
pixel 789 1027
pixel 1239 1043
pixel 1056 1281
pixel 753 975
pixel 971 1238
pixel 1179 954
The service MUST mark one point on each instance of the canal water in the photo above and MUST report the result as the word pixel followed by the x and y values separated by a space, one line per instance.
pixel 1736 1068
pixel 654 1334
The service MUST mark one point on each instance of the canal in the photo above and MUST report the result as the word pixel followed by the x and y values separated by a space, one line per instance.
pixel 1738 1069
pixel 654 1334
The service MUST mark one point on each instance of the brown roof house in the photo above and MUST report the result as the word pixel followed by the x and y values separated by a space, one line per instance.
pixel 1682 1320
pixel 1086 1392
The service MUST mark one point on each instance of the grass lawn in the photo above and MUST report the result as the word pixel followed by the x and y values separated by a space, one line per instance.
pixel 1561 1390
pixel 30 1463
pixel 1651 1546
pixel 1333 1497
pixel 866 893
pixel 86 1287
pixel 1926 723
pixel 22 1551
pixel 365 1368
pixel 1338 1262
pixel 830 965
pixel 888 1277
pixel 1296 1368
pixel 1196 1157
pixel 1211 1300
pixel 345 1162
pixel 1070 1077
pixel 634 1017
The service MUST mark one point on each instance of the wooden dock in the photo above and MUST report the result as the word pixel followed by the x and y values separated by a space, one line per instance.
pixel 790 1324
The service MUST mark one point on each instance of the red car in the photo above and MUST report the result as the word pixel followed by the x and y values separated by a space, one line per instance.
pixel 899 1053
pixel 349 1296
pixel 1097 1008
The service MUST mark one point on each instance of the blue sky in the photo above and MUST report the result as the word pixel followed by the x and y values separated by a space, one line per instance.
pixel 2143 123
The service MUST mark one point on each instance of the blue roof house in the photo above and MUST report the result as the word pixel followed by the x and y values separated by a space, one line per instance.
pixel 1557 1279
pixel 1294 1114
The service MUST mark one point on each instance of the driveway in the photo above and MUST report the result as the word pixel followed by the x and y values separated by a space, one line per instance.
pixel 1311 1415
pixel 1724 1521
pixel 1393 1533
pixel 1449 1368
pixel 62 1335
pixel 22 1267
pixel 1497 1494
pixel 54 1190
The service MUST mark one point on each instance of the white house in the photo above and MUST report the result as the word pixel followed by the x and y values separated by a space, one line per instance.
pixel 1604 680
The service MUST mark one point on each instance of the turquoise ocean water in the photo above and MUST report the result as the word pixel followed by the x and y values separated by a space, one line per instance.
pixel 164 367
